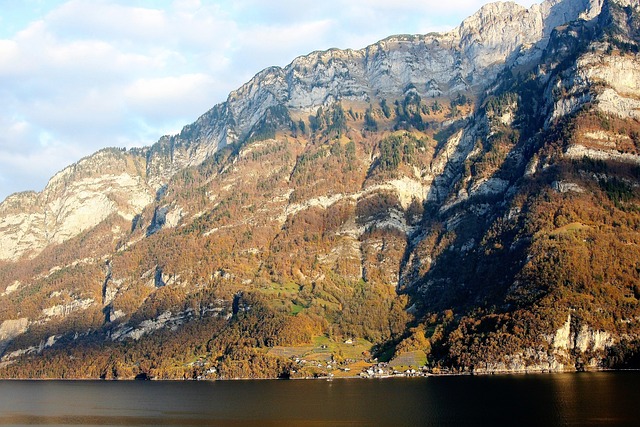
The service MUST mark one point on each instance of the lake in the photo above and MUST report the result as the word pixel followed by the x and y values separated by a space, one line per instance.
pixel 583 399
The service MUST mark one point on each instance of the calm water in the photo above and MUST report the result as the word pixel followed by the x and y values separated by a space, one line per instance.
pixel 590 399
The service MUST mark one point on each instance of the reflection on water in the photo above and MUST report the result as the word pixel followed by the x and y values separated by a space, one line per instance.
pixel 597 399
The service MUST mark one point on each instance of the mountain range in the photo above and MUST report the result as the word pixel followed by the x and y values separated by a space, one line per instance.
pixel 466 201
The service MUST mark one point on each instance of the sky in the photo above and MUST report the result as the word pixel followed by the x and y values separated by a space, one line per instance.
pixel 80 75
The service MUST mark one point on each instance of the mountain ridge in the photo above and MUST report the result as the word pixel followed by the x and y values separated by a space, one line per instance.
pixel 231 122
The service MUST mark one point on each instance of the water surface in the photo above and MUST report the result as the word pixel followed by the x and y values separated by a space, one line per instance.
pixel 585 399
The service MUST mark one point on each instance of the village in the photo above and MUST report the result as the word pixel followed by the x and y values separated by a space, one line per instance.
pixel 349 358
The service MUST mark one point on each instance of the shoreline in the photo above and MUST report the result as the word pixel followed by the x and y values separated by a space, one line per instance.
pixel 351 377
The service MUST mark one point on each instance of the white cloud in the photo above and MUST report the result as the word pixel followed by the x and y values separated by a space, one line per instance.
pixel 102 19
pixel 279 44
pixel 29 157
pixel 86 74
pixel 163 98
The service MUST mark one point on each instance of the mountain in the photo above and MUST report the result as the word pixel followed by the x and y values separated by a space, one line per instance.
pixel 464 60
pixel 467 201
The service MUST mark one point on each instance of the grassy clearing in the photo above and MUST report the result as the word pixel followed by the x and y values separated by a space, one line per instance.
pixel 352 369
pixel 319 357
pixel 409 360
pixel 570 228
pixel 295 309
pixel 325 349
pixel 285 289
pixel 290 352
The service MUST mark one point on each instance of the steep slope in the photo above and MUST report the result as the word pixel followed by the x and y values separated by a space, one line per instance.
pixel 467 200
pixel 442 65
pixel 541 228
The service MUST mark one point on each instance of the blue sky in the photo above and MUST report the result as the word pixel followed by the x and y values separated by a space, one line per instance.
pixel 80 75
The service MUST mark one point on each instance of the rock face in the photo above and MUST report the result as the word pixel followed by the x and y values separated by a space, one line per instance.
pixel 76 199
pixel 580 338
pixel 465 59
pixel 63 310
pixel 474 183
pixel 469 57
pixel 10 329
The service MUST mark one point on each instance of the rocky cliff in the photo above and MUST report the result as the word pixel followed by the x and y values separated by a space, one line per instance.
pixel 75 200
pixel 454 196
pixel 466 59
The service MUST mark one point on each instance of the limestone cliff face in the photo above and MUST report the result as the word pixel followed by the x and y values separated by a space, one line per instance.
pixel 463 60
pixel 21 226
pixel 75 200
pixel 467 58
pixel 610 82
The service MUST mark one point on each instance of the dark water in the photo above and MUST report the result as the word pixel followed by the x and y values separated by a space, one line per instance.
pixel 590 399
